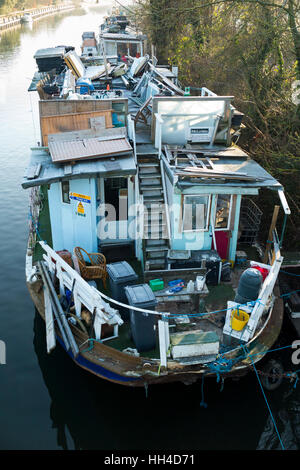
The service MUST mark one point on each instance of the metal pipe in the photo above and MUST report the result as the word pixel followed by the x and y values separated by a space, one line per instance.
pixel 57 317
pixel 61 313
pixel 126 82
pixel 283 230
pixel 218 118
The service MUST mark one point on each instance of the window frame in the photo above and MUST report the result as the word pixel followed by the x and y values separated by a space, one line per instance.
pixel 229 215
pixel 207 214
pixel 61 192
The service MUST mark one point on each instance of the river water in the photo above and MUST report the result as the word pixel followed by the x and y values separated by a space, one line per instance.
pixel 46 402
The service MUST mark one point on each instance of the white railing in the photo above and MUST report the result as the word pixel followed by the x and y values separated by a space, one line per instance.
pixel 264 302
pixel 139 220
pixel 83 293
pixel 206 92
pixel 165 200
pixel 158 132
pixel 93 300
pixel 131 134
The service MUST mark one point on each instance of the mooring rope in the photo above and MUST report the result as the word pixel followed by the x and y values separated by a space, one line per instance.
pixel 264 395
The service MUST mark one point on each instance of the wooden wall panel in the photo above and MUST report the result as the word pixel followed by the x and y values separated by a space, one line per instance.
pixel 71 122
pixel 58 107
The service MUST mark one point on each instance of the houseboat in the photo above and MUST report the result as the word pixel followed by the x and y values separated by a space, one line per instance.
pixel 139 201
pixel 89 47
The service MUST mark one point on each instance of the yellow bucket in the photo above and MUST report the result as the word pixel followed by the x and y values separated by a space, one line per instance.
pixel 239 319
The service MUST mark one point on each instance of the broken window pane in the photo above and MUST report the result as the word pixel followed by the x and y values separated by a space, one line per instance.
pixel 222 211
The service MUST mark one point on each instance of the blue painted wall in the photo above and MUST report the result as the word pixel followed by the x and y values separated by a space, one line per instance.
pixel 202 240
pixel 69 229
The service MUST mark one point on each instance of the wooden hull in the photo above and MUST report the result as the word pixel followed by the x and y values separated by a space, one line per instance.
pixel 115 366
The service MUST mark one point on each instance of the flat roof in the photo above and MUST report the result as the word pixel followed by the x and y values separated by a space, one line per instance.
pixel 41 169
pixel 221 169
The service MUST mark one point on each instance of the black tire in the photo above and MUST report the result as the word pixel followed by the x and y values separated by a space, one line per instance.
pixel 272 367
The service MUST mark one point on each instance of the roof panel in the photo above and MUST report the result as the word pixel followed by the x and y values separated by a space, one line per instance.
pixel 50 172
pixel 64 151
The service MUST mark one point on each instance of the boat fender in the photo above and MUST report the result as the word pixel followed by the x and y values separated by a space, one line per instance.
pixel 272 375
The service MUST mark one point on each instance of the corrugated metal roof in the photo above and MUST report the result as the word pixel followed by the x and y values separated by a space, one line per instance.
pixel 87 148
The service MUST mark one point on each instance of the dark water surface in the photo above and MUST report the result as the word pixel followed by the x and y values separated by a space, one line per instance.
pixel 46 402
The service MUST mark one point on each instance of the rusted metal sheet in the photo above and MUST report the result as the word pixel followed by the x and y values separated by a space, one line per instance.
pixel 61 151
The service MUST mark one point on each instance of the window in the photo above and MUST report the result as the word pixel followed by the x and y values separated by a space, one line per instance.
pixel 223 211
pixel 195 213
pixel 65 192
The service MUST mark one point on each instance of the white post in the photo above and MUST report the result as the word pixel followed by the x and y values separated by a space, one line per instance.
pixel 77 302
pixel 50 331
pixel 164 340
pixel 158 133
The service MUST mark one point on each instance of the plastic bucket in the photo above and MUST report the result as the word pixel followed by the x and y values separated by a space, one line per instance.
pixel 239 319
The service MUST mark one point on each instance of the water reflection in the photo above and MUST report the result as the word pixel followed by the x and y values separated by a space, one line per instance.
pixel 10 39
pixel 288 424
pixel 87 412
pixel 84 409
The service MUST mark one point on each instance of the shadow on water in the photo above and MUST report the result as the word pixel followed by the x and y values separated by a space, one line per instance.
pixel 91 413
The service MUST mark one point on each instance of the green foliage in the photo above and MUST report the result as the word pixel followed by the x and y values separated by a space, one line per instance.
pixel 249 49
pixel 9 6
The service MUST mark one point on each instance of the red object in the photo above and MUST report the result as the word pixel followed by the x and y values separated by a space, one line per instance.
pixel 222 242
pixel 107 87
pixel 264 271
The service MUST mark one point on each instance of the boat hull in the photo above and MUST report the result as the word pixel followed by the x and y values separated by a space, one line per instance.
pixel 117 367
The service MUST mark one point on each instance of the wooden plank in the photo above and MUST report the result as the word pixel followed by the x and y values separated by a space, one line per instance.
pixel 215 171
pixel 270 236
pixel 58 107
pixel 33 171
pixel 100 134
pixel 49 322
pixel 163 346
pixel 71 122
pixel 210 163
pixel 214 152
pixel 216 176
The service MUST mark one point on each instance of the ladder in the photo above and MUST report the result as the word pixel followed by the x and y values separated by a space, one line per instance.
pixel 156 238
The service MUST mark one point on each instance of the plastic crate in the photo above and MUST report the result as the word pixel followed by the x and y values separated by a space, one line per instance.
pixel 156 284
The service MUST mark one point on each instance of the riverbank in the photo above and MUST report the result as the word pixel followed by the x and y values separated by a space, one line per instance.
pixel 15 18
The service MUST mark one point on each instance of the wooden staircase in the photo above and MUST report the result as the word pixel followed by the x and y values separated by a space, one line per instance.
pixel 156 238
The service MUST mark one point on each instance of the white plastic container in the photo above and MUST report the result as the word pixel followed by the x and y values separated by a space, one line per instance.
pixel 200 281
pixel 190 286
